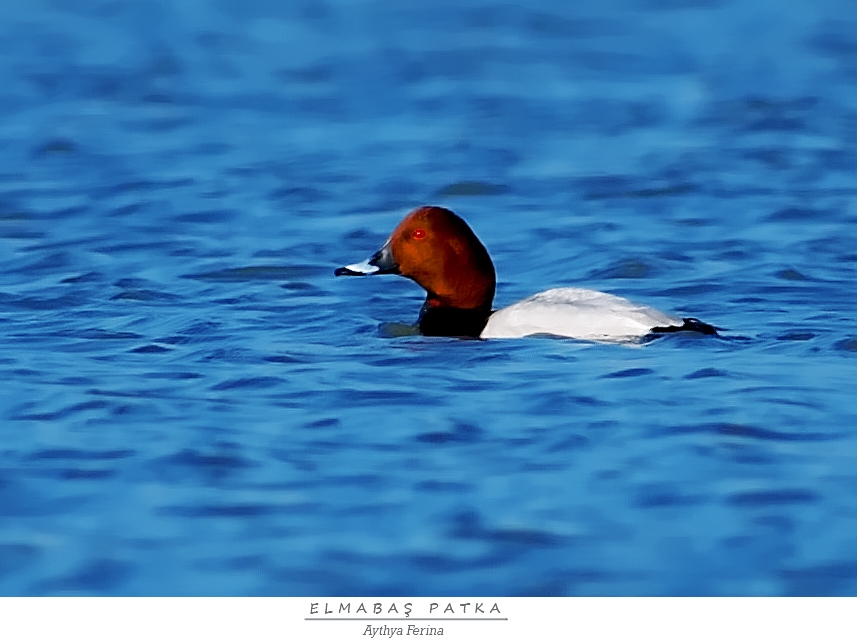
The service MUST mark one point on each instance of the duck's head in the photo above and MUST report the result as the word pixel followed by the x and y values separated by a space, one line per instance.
pixel 438 250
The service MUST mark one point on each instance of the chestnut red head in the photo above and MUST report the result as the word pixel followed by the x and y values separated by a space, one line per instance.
pixel 438 250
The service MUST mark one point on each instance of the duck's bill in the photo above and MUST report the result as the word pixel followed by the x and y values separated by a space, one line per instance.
pixel 357 270
pixel 381 263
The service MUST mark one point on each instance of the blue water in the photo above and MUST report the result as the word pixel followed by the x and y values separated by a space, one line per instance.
pixel 193 404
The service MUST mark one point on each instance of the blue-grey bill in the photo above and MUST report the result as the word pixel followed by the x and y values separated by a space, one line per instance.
pixel 357 269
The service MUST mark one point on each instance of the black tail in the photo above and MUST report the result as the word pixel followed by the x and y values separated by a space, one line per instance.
pixel 690 323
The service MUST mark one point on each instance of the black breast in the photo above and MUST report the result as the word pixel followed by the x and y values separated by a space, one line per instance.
pixel 452 322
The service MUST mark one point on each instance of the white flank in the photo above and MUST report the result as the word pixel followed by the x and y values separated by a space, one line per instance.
pixel 578 313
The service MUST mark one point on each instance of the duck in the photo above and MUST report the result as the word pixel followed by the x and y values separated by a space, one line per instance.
pixel 438 250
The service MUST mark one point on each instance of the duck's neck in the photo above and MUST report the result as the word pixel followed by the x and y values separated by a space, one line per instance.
pixel 440 321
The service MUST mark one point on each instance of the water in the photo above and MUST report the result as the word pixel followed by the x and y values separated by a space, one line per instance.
pixel 192 404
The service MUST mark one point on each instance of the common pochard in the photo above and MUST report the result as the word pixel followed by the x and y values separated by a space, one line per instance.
pixel 438 250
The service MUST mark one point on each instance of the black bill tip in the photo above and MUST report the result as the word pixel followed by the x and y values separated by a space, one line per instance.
pixel 347 272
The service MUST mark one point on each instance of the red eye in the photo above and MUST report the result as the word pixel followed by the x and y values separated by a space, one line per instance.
pixel 419 233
